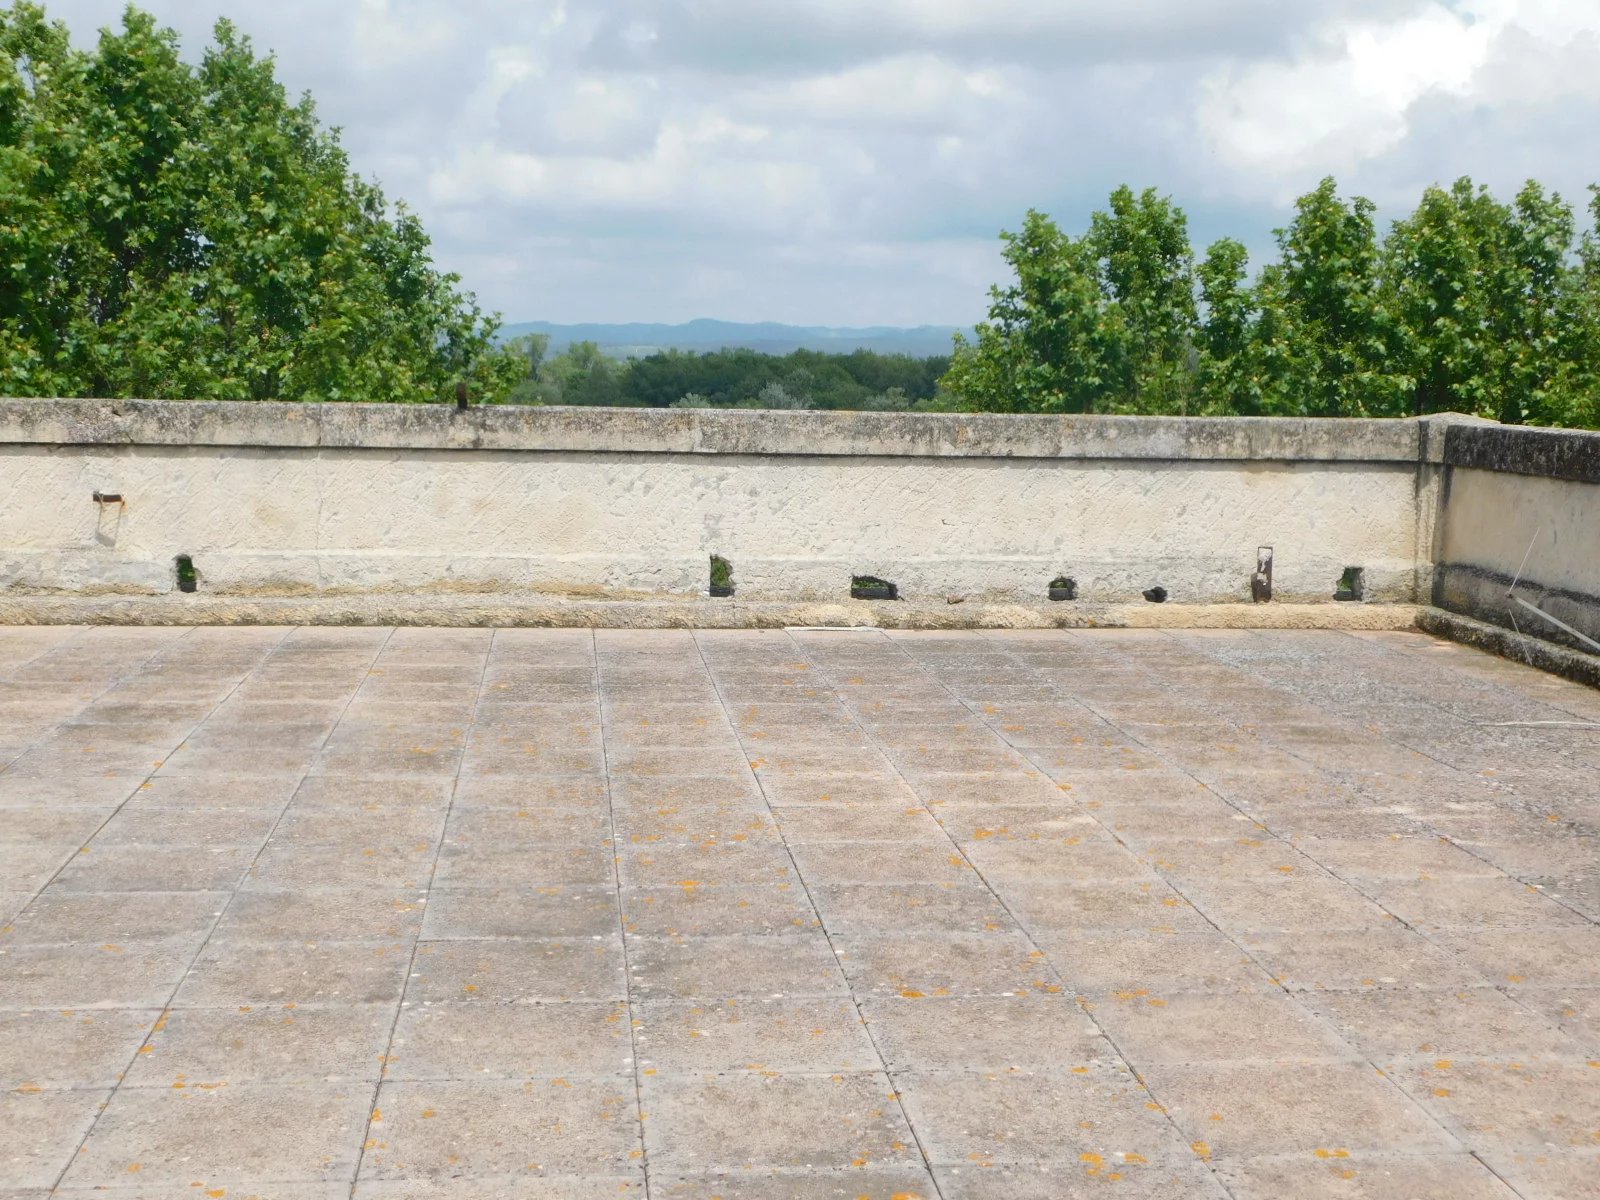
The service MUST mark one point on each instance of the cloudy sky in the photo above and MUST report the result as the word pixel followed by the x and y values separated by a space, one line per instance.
pixel 851 161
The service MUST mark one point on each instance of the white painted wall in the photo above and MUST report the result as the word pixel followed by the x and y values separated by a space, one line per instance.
pixel 265 519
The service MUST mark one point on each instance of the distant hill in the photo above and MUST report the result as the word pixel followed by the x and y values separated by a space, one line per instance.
pixel 621 341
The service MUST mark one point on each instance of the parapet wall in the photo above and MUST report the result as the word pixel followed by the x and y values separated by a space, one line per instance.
pixel 283 499
pixel 1520 531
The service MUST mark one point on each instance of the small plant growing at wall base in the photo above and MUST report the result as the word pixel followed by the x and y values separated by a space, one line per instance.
pixel 1062 588
pixel 1156 595
pixel 1352 585
pixel 870 587
pixel 721 576
pixel 188 577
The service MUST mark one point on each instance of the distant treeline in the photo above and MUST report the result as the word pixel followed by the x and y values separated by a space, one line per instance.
pixel 861 379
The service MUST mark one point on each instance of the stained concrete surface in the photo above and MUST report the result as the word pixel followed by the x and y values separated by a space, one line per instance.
pixel 472 914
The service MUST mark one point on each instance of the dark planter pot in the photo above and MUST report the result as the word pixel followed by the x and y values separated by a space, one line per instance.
pixel 1063 594
pixel 187 585
pixel 721 591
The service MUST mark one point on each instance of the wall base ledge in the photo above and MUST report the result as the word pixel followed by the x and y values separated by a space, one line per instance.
pixel 1535 652
pixel 536 610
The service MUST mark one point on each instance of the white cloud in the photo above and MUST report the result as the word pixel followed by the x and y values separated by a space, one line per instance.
pixel 836 161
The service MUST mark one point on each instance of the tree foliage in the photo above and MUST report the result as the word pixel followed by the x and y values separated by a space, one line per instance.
pixel 1469 304
pixel 188 231
pixel 862 379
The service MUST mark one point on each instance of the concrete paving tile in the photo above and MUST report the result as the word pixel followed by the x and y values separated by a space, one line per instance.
pixel 1097 962
pixel 1149 1027
pixel 1387 1024
pixel 224 790
pixel 977 822
pixel 1075 858
pixel 206 827
pixel 824 864
pixel 714 968
pixel 43 1130
pixel 66 1048
pixel 1032 1032
pixel 854 909
pixel 503 1187
pixel 12 903
pixel 1397 857
pixel 538 1127
pixel 112 975
pixel 29 868
pixel 519 970
pixel 675 911
pixel 665 864
pixel 206 1047
pixel 1243 1110
pixel 58 917
pixel 1136 906
pixel 468 1040
pixel 720 1036
pixel 1394 957
pixel 169 1137
pixel 1549 957
pixel 1094 1176
pixel 1434 903
pixel 525 866
pixel 518 792
pixel 1301 901
pixel 379 864
pixel 740 822
pixel 373 823
pixel 320 914
pixel 587 826
pixel 796 790
pixel 705 1123
pixel 915 966
pixel 1573 1010
pixel 520 912
pixel 354 792
pixel 142 868
pixel 1544 1175
pixel 1364 1177
pixel 20 790
pixel 840 1183
pixel 1507 1106
pixel 1059 1116
pixel 229 974
pixel 52 825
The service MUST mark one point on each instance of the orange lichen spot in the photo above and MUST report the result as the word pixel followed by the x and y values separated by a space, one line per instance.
pixel 1441 1092
pixel 217 1193
pixel 1443 1064
pixel 29 1089
pixel 1080 1070
pixel 1513 978
pixel 134 1168
pixel 912 994
pixel 1128 1156
pixel 428 1114
pixel 377 1115
pixel 1340 1152
pixel 1202 1150
pixel 1216 1116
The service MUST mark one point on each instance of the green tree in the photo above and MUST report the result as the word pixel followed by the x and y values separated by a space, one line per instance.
pixel 182 231
pixel 1326 335
pixel 1147 272
pixel 1048 345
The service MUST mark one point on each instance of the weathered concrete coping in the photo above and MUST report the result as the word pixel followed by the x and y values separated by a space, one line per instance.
pixel 705 431
pixel 1571 454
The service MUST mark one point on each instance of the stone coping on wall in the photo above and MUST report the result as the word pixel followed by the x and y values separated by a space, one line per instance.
pixel 1570 454
pixel 711 431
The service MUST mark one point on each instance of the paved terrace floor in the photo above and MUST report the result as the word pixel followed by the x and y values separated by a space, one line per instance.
pixel 475 915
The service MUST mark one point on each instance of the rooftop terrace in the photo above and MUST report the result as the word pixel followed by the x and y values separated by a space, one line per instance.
pixel 473 914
